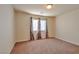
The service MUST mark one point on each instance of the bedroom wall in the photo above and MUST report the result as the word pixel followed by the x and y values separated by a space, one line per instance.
pixel 67 26
pixel 51 26
pixel 6 28
pixel 23 26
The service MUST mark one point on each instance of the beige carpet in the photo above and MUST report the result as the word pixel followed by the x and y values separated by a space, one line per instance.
pixel 45 46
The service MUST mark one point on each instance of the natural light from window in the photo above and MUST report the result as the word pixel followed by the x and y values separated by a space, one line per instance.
pixel 42 25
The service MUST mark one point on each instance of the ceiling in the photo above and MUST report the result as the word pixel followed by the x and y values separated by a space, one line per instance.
pixel 40 9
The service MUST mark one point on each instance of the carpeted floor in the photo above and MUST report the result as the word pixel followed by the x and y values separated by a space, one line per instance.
pixel 45 46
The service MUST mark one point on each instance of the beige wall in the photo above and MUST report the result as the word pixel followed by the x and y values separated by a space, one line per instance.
pixel 67 27
pixel 51 26
pixel 6 28
pixel 23 26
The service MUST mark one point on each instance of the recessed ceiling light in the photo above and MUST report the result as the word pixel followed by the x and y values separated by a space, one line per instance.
pixel 49 6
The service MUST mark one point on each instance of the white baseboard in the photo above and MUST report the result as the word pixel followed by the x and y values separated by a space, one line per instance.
pixel 75 43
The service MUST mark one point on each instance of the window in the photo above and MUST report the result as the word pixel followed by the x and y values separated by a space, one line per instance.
pixel 42 25
pixel 35 24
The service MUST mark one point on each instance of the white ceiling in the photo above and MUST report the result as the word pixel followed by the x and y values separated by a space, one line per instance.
pixel 40 9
